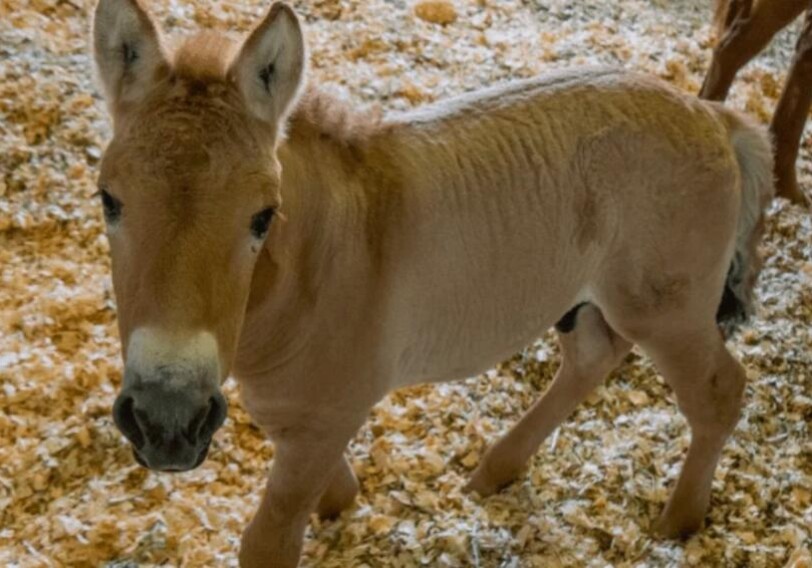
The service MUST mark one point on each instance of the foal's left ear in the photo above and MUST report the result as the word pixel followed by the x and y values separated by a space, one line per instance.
pixel 270 65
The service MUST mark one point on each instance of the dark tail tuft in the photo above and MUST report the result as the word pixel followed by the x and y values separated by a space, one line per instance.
pixel 751 145
pixel 732 311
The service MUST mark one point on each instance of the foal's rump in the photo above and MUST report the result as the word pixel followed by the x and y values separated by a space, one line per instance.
pixel 693 217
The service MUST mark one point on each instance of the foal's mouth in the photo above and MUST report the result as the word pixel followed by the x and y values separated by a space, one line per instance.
pixel 200 459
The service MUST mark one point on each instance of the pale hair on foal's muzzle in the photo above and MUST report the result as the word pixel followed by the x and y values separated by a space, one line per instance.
pixel 170 405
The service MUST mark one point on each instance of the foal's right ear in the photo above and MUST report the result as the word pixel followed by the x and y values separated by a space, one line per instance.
pixel 127 47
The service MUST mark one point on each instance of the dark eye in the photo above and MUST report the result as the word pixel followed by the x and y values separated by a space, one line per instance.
pixel 260 223
pixel 112 206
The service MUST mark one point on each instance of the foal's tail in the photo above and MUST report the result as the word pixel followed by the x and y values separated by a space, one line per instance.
pixel 753 150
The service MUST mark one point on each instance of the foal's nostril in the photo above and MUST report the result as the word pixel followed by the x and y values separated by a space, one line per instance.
pixel 124 416
pixel 205 422
pixel 150 432
pixel 215 417
pixel 192 433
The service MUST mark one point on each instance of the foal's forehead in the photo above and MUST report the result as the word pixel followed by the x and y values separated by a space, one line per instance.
pixel 194 114
pixel 185 134
pixel 194 128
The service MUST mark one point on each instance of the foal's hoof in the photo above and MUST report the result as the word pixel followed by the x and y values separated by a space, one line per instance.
pixel 677 527
pixel 486 482
pixel 338 497
pixel 330 509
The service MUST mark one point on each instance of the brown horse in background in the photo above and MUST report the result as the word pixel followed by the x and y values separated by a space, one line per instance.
pixel 745 28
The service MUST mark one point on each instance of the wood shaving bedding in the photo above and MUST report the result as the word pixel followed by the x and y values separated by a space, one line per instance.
pixel 70 492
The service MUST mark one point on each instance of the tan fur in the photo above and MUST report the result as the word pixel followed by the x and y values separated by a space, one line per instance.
pixel 204 57
pixel 427 246
pixel 323 114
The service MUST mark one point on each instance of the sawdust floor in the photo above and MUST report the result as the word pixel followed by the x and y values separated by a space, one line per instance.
pixel 70 493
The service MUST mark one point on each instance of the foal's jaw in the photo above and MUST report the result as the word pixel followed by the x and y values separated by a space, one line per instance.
pixel 170 404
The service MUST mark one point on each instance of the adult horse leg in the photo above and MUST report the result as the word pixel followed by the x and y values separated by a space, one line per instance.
pixel 790 117
pixel 591 349
pixel 747 30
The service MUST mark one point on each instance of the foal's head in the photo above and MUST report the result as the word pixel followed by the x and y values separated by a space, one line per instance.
pixel 189 186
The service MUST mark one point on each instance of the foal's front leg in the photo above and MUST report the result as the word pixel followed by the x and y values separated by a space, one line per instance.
pixel 306 462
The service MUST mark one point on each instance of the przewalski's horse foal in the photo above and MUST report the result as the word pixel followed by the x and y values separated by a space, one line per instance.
pixel 424 247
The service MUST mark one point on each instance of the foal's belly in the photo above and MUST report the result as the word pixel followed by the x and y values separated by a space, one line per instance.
pixel 468 332
pixel 471 355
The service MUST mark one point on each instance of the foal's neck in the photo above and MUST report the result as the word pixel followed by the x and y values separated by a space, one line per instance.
pixel 325 259
pixel 340 178
pixel 329 248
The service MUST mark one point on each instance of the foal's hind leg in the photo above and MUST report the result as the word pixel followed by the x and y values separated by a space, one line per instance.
pixel 709 384
pixel 590 351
